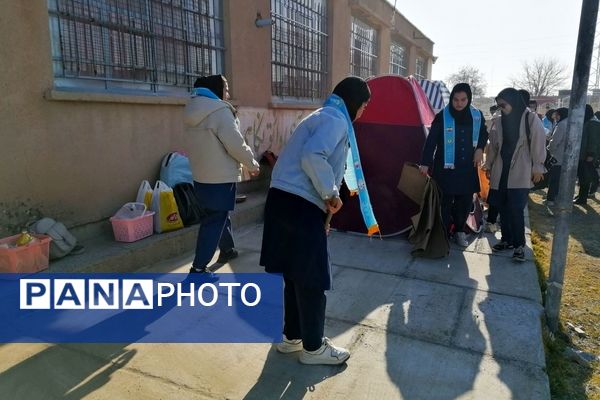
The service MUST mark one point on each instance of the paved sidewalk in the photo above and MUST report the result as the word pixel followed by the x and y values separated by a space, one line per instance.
pixel 465 327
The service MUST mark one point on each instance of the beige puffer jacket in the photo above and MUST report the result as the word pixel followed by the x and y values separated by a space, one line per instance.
pixel 525 160
pixel 216 147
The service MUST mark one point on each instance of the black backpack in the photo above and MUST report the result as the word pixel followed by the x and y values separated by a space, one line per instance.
pixel 189 206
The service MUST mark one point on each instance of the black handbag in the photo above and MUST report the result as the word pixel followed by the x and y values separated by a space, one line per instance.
pixel 550 160
pixel 190 208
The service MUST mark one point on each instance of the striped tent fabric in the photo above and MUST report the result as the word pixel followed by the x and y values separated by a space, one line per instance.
pixel 437 93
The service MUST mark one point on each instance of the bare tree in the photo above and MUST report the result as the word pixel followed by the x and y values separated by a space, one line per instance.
pixel 541 77
pixel 472 76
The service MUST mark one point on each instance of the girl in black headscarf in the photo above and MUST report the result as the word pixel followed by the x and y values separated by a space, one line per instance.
pixel 456 172
pixel 588 154
pixel 556 147
pixel 515 157
pixel 217 150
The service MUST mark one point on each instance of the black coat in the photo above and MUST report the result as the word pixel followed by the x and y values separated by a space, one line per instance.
pixel 463 179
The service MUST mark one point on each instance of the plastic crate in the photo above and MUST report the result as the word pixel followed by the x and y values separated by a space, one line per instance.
pixel 25 259
pixel 132 229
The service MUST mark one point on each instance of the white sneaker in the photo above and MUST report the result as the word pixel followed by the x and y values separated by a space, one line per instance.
pixel 289 346
pixel 461 239
pixel 491 228
pixel 326 354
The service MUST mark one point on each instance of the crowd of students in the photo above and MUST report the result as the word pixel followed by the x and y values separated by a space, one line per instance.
pixel 306 180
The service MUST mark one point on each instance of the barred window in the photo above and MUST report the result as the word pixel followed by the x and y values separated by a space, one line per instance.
pixel 363 49
pixel 299 49
pixel 420 69
pixel 156 45
pixel 398 59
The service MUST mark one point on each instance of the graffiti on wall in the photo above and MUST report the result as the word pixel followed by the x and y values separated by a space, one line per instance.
pixel 267 129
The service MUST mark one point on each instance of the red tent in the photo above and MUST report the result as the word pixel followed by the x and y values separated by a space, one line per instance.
pixel 390 132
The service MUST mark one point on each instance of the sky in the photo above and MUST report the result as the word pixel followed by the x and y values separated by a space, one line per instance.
pixel 496 37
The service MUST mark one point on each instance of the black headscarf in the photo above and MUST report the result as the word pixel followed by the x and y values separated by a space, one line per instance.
pixel 511 125
pixel 525 95
pixel 354 91
pixel 214 83
pixel 461 117
pixel 563 113
pixel 549 114
pixel 589 113
pixel 512 121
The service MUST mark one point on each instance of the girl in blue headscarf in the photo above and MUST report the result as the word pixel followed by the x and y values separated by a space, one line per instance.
pixel 454 149
pixel 305 187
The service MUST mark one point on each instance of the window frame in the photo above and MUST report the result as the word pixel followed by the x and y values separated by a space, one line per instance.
pixel 394 66
pixel 136 52
pixel 299 50
pixel 423 73
pixel 358 29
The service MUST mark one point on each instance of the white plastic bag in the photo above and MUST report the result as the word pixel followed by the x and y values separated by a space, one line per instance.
pixel 144 194
pixel 130 211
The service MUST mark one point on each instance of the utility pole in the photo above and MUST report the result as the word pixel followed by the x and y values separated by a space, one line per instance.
pixel 581 74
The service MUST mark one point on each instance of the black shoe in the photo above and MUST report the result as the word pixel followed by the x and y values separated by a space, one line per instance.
pixel 202 274
pixel 581 202
pixel 227 256
pixel 502 246
pixel 519 254
pixel 240 198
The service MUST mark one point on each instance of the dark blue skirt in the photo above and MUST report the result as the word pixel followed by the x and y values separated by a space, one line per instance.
pixel 294 240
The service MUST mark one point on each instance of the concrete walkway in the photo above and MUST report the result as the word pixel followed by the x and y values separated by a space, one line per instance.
pixel 464 327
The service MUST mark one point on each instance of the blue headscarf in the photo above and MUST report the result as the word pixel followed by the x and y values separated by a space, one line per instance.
pixel 205 93
pixel 354 176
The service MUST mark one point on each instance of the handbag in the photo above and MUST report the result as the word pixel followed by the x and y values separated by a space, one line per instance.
pixel 550 161
pixel 190 209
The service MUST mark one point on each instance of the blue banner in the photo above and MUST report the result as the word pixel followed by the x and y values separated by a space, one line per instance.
pixel 145 308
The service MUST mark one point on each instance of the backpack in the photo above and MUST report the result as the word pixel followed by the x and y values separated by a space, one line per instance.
pixel 63 242
pixel 190 208
pixel 175 168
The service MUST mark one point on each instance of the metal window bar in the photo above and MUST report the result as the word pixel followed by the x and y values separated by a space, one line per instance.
pixel 299 49
pixel 420 72
pixel 121 42
pixel 398 59
pixel 363 49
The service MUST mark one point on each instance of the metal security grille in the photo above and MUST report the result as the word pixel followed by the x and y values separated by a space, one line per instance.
pixel 397 59
pixel 299 49
pixel 148 44
pixel 420 71
pixel 363 49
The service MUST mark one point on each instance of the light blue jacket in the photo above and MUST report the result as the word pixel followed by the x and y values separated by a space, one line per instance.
pixel 312 163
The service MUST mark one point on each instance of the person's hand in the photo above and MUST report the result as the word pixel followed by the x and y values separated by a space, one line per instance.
pixel 255 173
pixel 537 177
pixel 333 205
pixel 424 170
pixel 478 158
pixel 589 159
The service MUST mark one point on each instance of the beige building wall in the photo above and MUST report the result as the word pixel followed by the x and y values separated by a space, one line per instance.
pixel 75 160
pixel 78 156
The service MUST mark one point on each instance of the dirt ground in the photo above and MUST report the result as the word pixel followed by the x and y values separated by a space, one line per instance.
pixel 580 299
